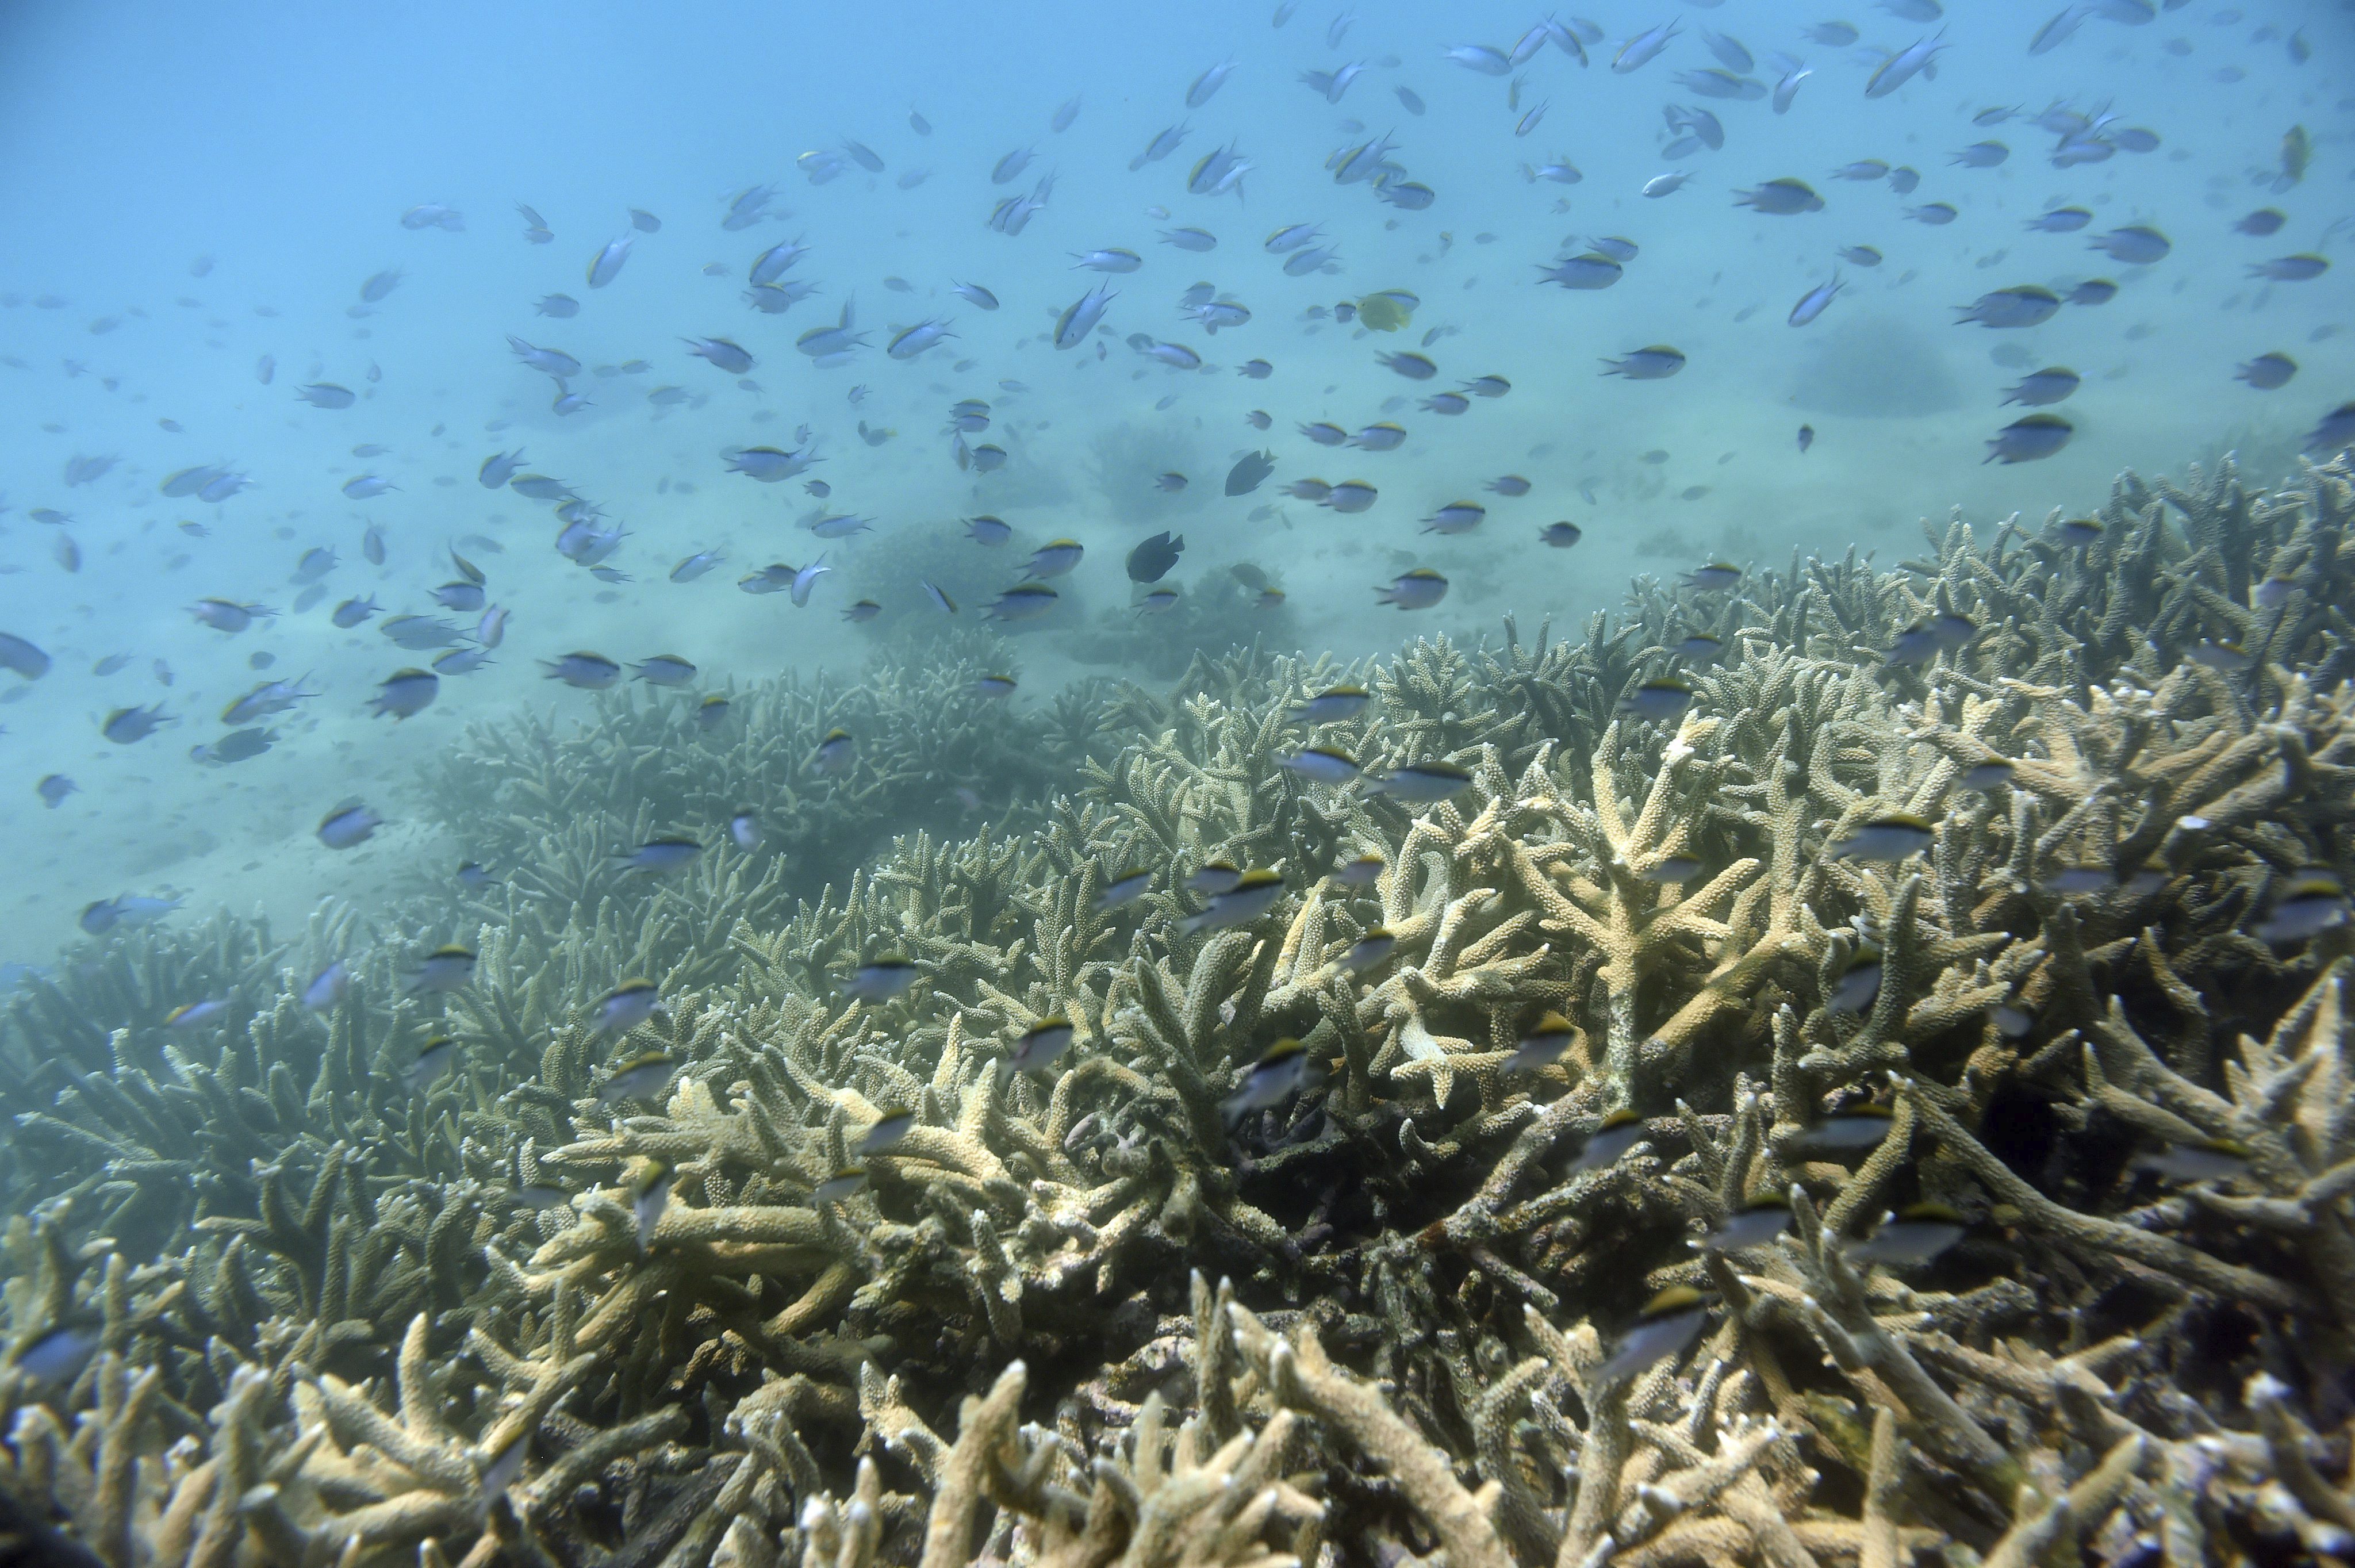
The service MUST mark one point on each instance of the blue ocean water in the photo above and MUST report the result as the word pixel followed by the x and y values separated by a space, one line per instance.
pixel 193 193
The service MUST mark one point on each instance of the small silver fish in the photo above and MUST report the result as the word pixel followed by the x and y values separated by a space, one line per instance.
pixel 1213 876
pixel 1643 48
pixel 842 1184
pixel 887 1132
pixel 1054 558
pixel 1422 784
pixel 1858 984
pixel 1903 66
pixel 1455 517
pixel 835 753
pixel 1042 1044
pixel 881 979
pixel 1755 1224
pixel 1861 1125
pixel 328 987
pixel 1417 589
pixel 348 825
pixel 1252 894
pixel 2136 244
pixel 1283 1070
pixel 1324 765
pixel 1672 1321
pixel 1023 602
pixel 1542 1044
pixel 584 671
pixel 1333 705
pixel 721 354
pixel 1659 701
pixel 1887 839
pixel 628 1005
pixel 1780 197
pixel 649 1201
pixel 2267 371
pixel 640 1078
pixel 57 1358
pixel 1914 1234
pixel 1657 363
pixel 196 1015
pixel 446 968
pixel 1125 887
pixel 659 857
pixel 125 726
pixel 2029 439
pixel 2312 901
pixel 434 1059
pixel 606 264
pixel 1988 776
pixel 2214 1160
pixel 1815 301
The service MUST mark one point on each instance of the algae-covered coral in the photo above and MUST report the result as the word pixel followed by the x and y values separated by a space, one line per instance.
pixel 1991 894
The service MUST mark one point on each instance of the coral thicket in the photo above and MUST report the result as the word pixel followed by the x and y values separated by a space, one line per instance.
pixel 336 1311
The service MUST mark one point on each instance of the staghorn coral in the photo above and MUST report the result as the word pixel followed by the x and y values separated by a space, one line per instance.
pixel 555 804
pixel 331 1314
pixel 1217 610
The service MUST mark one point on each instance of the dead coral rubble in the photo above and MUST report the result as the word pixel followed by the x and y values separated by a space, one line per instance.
pixel 269 1301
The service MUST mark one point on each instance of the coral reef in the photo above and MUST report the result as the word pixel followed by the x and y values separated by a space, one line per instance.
pixel 552 804
pixel 1217 610
pixel 1936 1160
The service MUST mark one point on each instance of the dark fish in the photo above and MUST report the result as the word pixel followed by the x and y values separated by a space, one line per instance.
pixel 58 1358
pixel 844 1183
pixel 1152 560
pixel 1250 472
pixel 1914 1234
pixel 1543 1043
pixel 2267 371
pixel 239 745
pixel 16 654
pixel 1125 887
pixel 1041 1043
pixel 1272 1080
pixel 887 1131
pixel 2312 902
pixel 1858 1126
pixel 1755 1224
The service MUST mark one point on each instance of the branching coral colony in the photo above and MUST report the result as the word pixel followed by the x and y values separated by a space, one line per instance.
pixel 1889 1100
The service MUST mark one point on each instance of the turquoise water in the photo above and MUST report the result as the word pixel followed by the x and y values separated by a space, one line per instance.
pixel 193 191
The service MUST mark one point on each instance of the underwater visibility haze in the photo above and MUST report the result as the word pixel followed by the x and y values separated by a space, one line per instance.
pixel 1320 783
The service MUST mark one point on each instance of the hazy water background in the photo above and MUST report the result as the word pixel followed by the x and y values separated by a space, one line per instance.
pixel 283 143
